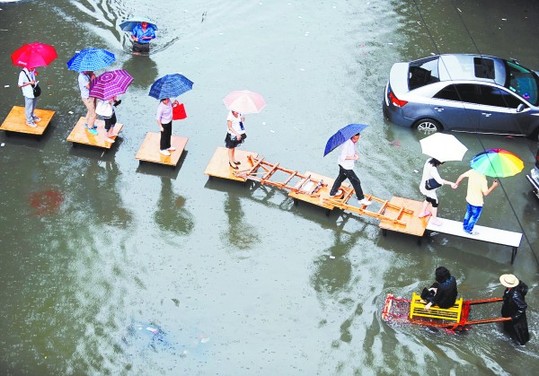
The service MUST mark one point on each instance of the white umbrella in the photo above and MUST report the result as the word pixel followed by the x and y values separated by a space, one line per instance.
pixel 443 147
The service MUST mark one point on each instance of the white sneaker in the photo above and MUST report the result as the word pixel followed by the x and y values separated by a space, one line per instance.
pixel 164 152
pixel 172 148
pixel 37 119
pixel 31 125
pixel 365 202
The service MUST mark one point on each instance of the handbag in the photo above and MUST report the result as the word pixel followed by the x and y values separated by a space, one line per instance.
pixel 178 111
pixel 36 88
pixel 431 184
pixel 104 109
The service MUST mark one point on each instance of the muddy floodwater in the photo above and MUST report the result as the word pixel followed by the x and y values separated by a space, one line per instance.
pixel 109 267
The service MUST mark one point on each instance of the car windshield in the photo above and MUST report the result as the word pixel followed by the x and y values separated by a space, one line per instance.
pixel 523 82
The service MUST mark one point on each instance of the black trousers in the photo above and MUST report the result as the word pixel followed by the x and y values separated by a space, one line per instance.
pixel 352 177
pixel 165 136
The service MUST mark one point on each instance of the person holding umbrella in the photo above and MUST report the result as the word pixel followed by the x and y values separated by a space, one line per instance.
pixel 346 161
pixel 170 85
pixel 494 163
pixel 84 79
pixel 141 35
pixel 27 82
pixel 477 189
pixel 441 147
pixel 235 135
pixel 29 56
pixel 164 121
pixel 430 182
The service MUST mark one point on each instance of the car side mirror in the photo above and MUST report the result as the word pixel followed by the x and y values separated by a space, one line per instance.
pixel 521 107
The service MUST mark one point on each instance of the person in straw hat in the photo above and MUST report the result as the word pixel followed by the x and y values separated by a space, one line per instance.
pixel 514 306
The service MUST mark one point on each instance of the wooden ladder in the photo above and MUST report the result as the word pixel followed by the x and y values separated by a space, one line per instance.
pixel 347 192
pixel 262 172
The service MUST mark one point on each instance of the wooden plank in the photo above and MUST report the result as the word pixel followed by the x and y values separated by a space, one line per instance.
pixel 79 134
pixel 16 121
pixel 218 165
pixel 485 234
pixel 149 150
pixel 414 225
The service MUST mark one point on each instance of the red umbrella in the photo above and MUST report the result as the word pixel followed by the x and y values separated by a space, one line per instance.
pixel 32 55
pixel 110 84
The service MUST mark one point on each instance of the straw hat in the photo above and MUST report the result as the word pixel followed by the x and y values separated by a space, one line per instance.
pixel 509 280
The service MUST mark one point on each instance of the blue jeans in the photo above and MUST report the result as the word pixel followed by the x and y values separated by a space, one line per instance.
pixel 471 217
pixel 350 175
pixel 29 107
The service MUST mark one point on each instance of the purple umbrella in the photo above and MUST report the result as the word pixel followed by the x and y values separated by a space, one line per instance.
pixel 110 84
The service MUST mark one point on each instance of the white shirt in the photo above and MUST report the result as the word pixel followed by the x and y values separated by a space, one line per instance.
pixel 348 149
pixel 235 123
pixel 28 90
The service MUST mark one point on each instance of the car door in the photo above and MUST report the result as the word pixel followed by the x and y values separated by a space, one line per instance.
pixel 499 111
pixel 455 108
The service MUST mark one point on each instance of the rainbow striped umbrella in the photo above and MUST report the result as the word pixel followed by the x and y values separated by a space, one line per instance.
pixel 497 163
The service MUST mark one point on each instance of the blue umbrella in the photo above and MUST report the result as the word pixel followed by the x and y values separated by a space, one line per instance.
pixel 342 135
pixel 170 86
pixel 130 24
pixel 90 59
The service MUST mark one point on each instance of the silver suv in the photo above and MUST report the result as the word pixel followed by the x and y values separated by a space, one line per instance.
pixel 464 92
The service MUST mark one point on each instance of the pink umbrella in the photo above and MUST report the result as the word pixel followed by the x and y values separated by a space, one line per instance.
pixel 244 101
pixel 110 84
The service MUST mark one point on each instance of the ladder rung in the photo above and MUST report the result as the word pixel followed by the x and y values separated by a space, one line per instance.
pixel 290 178
pixel 270 172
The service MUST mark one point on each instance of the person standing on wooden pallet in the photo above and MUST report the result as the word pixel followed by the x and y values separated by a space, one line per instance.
pixel 84 79
pixel 235 135
pixel 28 84
pixel 477 189
pixel 515 306
pixel 430 182
pixel 164 121
pixel 347 159
pixel 442 293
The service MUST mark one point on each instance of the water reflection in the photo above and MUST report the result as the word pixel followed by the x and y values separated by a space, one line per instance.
pixel 143 69
pixel 107 203
pixel 239 233
pixel 171 214
pixel 333 269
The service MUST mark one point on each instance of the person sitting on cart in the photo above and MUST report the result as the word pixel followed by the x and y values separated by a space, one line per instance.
pixel 442 293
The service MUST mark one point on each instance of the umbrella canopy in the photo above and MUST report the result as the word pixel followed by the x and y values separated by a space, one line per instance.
pixel 443 147
pixel 90 59
pixel 128 25
pixel 110 84
pixel 497 163
pixel 32 55
pixel 244 101
pixel 342 135
pixel 170 86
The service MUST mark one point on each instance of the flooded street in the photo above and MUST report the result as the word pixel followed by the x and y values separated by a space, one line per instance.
pixel 109 267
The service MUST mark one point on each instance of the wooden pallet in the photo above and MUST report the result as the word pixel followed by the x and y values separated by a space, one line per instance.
pixel 80 135
pixel 149 150
pixel 16 121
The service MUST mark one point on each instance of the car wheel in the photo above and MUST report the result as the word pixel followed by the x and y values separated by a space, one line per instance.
pixel 428 126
